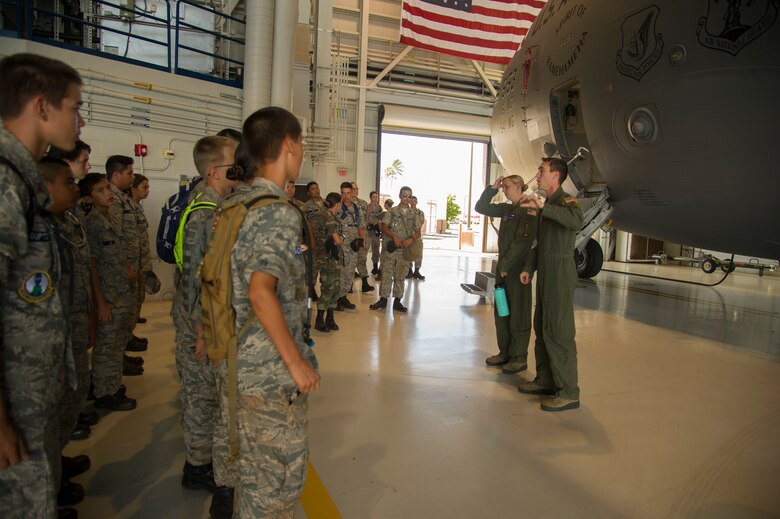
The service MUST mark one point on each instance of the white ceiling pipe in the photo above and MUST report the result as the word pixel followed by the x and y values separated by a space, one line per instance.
pixel 151 111
pixel 258 55
pixel 285 22
pixel 209 112
pixel 149 87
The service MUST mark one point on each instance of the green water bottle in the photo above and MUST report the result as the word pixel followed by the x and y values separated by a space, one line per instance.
pixel 502 306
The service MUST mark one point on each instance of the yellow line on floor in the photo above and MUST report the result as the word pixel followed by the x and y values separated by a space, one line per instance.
pixel 315 500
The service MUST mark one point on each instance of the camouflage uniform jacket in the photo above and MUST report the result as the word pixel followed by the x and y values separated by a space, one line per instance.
pixel 363 205
pixel 33 327
pixel 197 233
pixel 269 242
pixel 402 223
pixel 124 221
pixel 315 213
pixel 143 235
pixel 105 245
pixel 330 226
pixel 76 292
pixel 350 220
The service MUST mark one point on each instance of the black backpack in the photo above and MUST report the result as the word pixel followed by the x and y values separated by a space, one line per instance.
pixel 169 221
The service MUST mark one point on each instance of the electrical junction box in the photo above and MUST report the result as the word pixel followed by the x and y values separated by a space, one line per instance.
pixel 168 153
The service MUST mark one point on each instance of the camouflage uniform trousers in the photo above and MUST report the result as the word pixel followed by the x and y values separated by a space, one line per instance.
pixel 199 399
pixel 373 242
pixel 394 269
pixel 330 285
pixel 273 454
pixel 350 261
pixel 362 257
pixel 112 338
pixel 417 258
pixel 225 470
pixel 30 488
pixel 73 400
pixel 141 295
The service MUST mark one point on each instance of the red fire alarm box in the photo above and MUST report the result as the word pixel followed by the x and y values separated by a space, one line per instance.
pixel 140 150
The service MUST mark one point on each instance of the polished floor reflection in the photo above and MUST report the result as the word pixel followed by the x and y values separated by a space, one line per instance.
pixel 680 409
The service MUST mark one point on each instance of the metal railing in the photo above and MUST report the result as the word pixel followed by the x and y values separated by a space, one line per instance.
pixel 156 38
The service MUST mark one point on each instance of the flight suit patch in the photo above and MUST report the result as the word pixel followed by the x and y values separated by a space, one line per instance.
pixel 531 212
pixel 36 287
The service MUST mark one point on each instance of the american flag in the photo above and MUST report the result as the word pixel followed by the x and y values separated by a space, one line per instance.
pixel 483 30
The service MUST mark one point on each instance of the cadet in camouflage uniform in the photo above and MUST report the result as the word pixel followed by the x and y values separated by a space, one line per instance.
pixel 352 226
pixel 314 211
pixel 555 349
pixel 516 235
pixel 274 376
pixel 40 100
pixel 362 254
pixel 225 471
pixel 114 295
pixel 400 226
pixel 373 233
pixel 119 171
pixel 330 273
pixel 199 387
pixel 139 192
pixel 75 290
pixel 417 246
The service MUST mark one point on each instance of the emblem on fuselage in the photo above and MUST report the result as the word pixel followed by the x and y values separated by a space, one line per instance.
pixel 732 24
pixel 642 46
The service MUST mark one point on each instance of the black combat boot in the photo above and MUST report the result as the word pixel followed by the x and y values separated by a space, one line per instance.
pixel 319 324
pixel 410 273
pixel 417 275
pixel 366 286
pixel 221 503
pixel 70 493
pixel 344 303
pixel 198 477
pixel 398 307
pixel 378 275
pixel 131 369
pixel 135 344
pixel 375 270
pixel 330 322
pixel 379 305
pixel 75 466
pixel 138 361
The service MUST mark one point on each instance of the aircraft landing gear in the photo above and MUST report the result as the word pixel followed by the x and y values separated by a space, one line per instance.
pixel 589 260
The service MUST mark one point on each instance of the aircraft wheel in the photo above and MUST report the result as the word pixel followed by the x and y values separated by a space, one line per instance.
pixel 728 266
pixel 709 265
pixel 590 260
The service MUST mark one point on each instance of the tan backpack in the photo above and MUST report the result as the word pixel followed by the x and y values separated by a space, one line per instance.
pixel 216 294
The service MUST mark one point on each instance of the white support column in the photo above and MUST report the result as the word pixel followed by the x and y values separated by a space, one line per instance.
pixel 360 124
pixel 285 21
pixel 258 55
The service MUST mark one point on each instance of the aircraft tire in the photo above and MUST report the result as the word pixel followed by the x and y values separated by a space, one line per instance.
pixel 709 265
pixel 590 260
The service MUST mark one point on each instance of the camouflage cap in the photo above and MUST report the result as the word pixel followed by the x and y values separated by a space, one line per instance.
pixel 151 282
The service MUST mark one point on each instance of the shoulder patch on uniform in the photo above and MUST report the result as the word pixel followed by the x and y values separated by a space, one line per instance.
pixel 570 201
pixel 36 287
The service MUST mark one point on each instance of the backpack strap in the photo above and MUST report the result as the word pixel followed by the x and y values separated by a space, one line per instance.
pixel 178 248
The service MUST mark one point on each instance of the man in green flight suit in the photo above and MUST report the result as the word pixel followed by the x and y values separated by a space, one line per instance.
pixel 555 349
pixel 516 235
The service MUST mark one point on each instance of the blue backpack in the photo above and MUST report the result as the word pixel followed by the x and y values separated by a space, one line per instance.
pixel 169 222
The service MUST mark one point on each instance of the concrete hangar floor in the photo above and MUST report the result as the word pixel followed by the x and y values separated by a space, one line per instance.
pixel 680 411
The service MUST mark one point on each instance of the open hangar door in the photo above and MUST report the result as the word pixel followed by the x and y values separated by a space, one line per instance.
pixel 442 154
